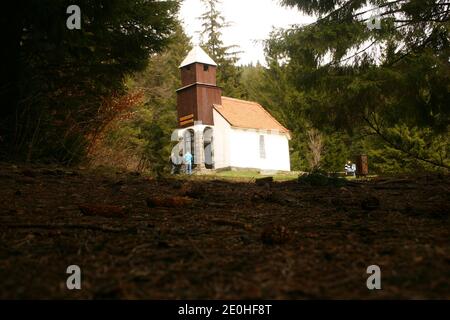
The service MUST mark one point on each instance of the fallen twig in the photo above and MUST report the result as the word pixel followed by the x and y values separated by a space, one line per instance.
pixel 395 181
pixel 66 226
pixel 224 222
pixel 197 249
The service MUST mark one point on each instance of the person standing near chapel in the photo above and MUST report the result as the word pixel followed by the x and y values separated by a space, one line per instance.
pixel 350 168
pixel 188 162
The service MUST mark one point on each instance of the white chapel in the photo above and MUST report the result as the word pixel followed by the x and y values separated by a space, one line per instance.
pixel 225 133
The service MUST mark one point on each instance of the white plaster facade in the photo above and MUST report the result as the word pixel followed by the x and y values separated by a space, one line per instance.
pixel 240 148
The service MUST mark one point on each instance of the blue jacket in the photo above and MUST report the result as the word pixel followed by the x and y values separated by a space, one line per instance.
pixel 188 158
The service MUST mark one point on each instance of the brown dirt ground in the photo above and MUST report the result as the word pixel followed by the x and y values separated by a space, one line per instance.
pixel 212 248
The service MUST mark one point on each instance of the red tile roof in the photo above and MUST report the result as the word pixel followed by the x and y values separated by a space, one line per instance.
pixel 248 115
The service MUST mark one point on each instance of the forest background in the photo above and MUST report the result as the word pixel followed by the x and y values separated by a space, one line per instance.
pixel 105 94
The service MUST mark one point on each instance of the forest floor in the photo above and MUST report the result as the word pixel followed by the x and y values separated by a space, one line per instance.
pixel 138 238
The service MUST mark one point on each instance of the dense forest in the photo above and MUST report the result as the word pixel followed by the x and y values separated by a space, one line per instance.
pixel 105 94
pixel 90 209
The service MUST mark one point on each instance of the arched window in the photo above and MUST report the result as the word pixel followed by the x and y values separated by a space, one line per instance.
pixel 208 148
pixel 189 143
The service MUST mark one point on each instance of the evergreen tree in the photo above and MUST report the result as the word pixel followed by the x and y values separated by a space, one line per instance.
pixel 270 87
pixel 56 83
pixel 226 57
pixel 160 81
pixel 373 81
pixel 144 139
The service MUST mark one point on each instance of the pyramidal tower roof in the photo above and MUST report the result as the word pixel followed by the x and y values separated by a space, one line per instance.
pixel 197 55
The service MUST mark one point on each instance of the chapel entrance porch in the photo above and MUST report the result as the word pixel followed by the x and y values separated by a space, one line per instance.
pixel 200 143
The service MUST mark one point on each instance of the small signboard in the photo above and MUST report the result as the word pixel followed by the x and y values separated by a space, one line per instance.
pixel 186 120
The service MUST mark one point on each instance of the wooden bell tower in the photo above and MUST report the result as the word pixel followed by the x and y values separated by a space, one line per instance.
pixel 199 91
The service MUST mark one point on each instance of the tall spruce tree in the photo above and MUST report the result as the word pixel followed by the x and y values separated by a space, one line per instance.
pixel 226 57
pixel 142 141
pixel 390 82
pixel 54 81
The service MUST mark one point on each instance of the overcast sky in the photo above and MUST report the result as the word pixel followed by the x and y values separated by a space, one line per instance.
pixel 252 21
